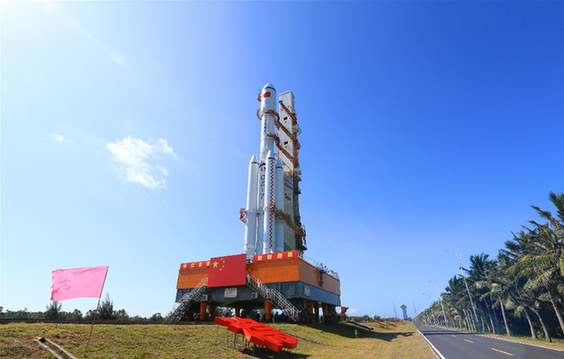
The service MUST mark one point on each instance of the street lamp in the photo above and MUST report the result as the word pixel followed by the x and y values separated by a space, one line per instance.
pixel 468 290
pixel 441 301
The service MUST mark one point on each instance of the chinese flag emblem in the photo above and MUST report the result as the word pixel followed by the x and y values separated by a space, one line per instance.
pixel 227 271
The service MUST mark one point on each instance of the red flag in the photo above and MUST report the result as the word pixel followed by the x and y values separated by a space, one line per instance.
pixel 72 283
pixel 227 271
pixel 344 310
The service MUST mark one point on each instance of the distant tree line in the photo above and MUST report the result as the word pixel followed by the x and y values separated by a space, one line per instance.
pixel 367 318
pixel 519 292
pixel 53 311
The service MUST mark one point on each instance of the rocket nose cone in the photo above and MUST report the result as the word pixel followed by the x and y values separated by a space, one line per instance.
pixel 268 86
pixel 254 159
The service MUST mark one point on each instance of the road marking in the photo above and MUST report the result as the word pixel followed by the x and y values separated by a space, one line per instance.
pixel 431 345
pixel 469 341
pixel 501 351
pixel 513 341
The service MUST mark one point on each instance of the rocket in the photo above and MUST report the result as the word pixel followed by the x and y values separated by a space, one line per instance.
pixel 264 230
pixel 267 103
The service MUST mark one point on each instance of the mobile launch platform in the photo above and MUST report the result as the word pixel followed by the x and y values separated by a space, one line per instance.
pixel 273 269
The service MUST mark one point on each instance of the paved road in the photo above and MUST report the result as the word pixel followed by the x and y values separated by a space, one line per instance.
pixel 457 345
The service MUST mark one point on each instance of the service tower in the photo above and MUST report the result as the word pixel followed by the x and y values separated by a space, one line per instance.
pixel 272 270
pixel 272 219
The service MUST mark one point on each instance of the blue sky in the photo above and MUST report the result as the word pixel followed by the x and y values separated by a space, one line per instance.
pixel 127 129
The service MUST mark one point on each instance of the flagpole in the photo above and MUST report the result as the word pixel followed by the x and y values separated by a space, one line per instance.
pixel 95 313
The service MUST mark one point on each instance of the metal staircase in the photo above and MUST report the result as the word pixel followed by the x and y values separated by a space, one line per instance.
pixel 187 299
pixel 273 296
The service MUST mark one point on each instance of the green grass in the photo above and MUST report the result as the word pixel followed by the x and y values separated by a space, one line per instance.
pixel 396 342
pixel 203 341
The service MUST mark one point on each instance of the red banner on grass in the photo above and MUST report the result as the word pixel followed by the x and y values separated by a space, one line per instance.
pixel 227 271
pixel 73 283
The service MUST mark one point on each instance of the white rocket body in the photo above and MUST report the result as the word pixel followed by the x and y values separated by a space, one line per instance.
pixel 269 222
pixel 260 205
pixel 264 232
pixel 268 102
pixel 252 206
pixel 279 197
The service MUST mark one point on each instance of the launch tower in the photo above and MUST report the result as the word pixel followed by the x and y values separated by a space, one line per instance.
pixel 272 270
pixel 272 218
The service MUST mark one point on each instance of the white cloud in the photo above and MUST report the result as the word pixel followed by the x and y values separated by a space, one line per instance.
pixel 352 311
pixel 135 159
pixel 61 139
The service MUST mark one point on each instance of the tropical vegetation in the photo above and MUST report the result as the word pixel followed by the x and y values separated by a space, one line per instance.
pixel 519 292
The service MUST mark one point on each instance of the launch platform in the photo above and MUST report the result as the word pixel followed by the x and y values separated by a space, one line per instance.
pixel 288 281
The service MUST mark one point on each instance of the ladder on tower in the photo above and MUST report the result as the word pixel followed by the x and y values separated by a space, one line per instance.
pixel 273 296
pixel 188 299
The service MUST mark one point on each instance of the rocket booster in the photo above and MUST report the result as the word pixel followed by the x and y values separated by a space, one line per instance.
pixel 252 209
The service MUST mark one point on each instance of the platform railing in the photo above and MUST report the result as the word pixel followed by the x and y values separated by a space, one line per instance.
pixel 188 298
pixel 319 266
pixel 273 296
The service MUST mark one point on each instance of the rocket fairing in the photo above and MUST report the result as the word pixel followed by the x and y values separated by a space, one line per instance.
pixel 267 103
pixel 264 231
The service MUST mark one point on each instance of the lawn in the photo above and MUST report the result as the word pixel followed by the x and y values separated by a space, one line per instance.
pixel 111 341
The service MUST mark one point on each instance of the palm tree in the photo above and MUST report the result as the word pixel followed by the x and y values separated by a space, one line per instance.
pixel 451 300
pixel 497 286
pixel 481 269
pixel 543 262
pixel 526 298
pixel 551 261
pixel 457 299
pixel 538 258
